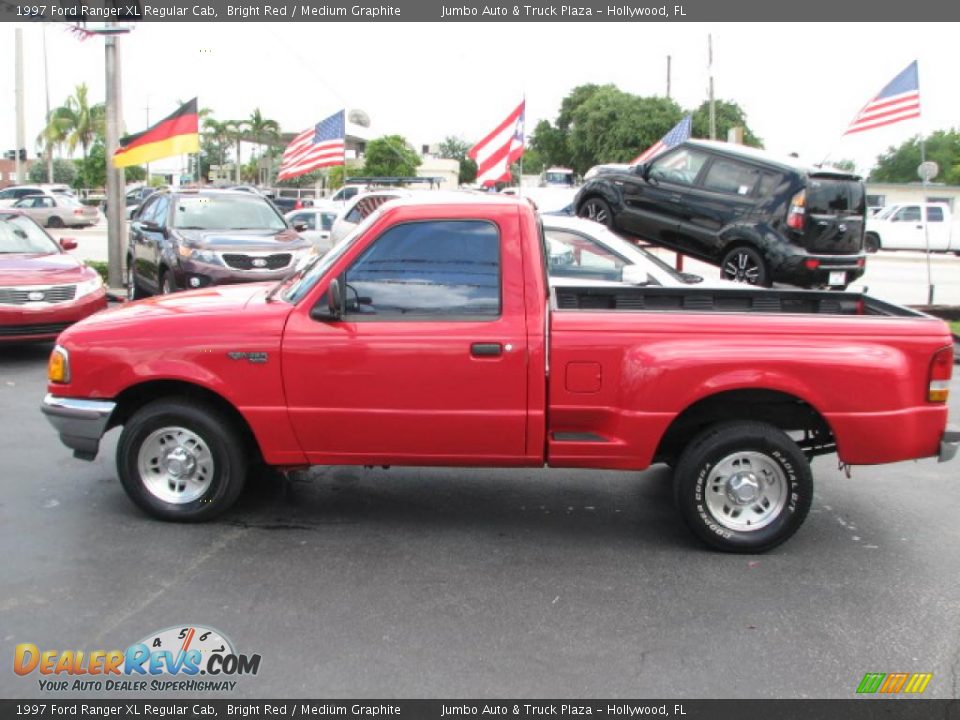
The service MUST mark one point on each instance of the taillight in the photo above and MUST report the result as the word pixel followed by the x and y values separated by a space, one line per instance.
pixel 797 213
pixel 811 263
pixel 941 368
pixel 78 211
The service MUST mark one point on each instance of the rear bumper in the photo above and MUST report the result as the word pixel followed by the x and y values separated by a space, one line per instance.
pixel 81 423
pixel 949 444
pixel 795 271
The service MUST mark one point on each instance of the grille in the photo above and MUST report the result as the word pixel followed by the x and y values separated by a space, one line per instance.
pixel 245 262
pixel 47 329
pixel 52 294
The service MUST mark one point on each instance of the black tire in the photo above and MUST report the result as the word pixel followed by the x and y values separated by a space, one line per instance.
pixel 871 242
pixel 746 265
pixel 705 498
pixel 596 209
pixel 134 291
pixel 218 487
pixel 54 222
pixel 167 283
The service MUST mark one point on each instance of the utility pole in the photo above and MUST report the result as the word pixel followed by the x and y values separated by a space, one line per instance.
pixel 46 89
pixel 668 77
pixel 21 132
pixel 713 109
pixel 116 210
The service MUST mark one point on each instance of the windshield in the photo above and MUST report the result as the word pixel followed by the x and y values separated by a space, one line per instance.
pixel 19 234
pixel 304 283
pixel 226 212
pixel 559 178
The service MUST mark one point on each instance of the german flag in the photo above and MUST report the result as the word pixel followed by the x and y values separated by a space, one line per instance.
pixel 176 134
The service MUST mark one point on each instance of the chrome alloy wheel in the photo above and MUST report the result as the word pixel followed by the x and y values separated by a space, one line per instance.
pixel 595 210
pixel 175 465
pixel 746 491
pixel 741 267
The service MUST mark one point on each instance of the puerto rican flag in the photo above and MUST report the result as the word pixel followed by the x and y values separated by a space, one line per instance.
pixel 898 101
pixel 500 149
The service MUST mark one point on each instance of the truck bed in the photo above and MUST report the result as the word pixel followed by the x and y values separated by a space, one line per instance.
pixel 724 300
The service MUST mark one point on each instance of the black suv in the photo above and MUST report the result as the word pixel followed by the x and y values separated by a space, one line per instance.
pixel 195 238
pixel 761 219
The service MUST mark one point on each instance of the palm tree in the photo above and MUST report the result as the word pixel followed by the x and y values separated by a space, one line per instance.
pixel 82 121
pixel 236 131
pixel 219 132
pixel 52 138
pixel 263 131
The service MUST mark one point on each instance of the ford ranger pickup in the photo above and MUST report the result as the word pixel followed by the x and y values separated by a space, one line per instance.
pixel 430 336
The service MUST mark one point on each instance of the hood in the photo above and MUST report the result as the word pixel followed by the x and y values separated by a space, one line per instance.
pixel 203 313
pixel 41 269
pixel 243 240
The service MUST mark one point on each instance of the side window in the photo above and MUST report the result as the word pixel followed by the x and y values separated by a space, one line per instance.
pixel 308 219
pixel 769 182
pixel 728 176
pixel 46 202
pixel 437 269
pixel 573 255
pixel 911 213
pixel 145 213
pixel 934 214
pixel 159 215
pixel 354 215
pixel 680 167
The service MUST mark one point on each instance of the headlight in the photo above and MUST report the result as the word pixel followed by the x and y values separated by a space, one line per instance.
pixel 89 286
pixel 58 368
pixel 201 256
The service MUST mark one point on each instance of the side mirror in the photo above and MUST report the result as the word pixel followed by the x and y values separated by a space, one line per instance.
pixel 68 243
pixel 636 275
pixel 301 226
pixel 333 309
pixel 643 170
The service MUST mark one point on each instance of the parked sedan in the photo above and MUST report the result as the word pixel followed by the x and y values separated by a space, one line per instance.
pixel 314 224
pixel 196 238
pixel 42 288
pixel 55 211
pixel 582 252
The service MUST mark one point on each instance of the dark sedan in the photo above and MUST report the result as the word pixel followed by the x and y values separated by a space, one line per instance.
pixel 189 239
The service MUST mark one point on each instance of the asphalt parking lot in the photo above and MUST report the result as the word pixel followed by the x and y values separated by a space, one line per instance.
pixel 480 583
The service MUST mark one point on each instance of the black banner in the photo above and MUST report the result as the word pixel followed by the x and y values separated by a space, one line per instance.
pixel 861 709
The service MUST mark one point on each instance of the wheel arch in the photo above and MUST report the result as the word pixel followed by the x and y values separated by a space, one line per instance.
pixel 133 398
pixel 786 411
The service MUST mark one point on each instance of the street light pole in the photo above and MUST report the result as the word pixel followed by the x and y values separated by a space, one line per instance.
pixel 116 209
pixel 21 132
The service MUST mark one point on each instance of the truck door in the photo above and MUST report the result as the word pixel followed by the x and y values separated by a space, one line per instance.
pixel 906 230
pixel 428 363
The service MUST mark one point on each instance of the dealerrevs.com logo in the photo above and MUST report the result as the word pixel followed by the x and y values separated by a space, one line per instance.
pixel 189 658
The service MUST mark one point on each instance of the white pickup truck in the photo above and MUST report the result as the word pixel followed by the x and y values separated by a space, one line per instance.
pixel 900 227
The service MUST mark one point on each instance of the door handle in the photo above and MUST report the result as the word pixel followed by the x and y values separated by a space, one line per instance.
pixel 919 227
pixel 675 198
pixel 486 349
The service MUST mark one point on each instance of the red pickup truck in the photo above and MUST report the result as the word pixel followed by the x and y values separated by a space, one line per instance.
pixel 430 336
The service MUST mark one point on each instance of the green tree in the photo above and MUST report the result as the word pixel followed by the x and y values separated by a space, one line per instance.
pixel 455 148
pixel 548 145
pixel 844 164
pixel 729 115
pixel 899 164
pixel 84 123
pixel 390 155
pixel 236 131
pixel 64 171
pixel 135 173
pixel 93 168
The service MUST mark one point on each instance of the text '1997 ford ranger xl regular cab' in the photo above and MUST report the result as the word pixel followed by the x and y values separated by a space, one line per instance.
pixel 429 336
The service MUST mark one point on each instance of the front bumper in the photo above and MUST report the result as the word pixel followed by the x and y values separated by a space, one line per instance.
pixel 949 444
pixel 46 321
pixel 81 423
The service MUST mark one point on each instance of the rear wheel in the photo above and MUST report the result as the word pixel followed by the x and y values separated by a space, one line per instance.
pixel 743 486
pixel 54 222
pixel 179 460
pixel 745 265
pixel 598 210
pixel 871 243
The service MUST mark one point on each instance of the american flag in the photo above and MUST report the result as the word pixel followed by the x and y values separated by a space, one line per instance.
pixel 899 100
pixel 498 150
pixel 320 146
pixel 679 133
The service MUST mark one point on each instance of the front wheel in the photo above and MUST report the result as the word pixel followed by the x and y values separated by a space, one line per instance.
pixel 743 486
pixel 598 210
pixel 182 461
pixel 745 265
pixel 871 243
